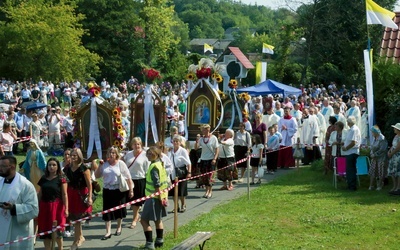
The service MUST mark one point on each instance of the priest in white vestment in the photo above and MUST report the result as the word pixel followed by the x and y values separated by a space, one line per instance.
pixel 19 206
pixel 288 128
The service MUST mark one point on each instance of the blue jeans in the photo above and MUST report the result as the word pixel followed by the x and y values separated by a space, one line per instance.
pixel 351 171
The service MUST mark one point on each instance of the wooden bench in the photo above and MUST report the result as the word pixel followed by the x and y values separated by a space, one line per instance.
pixel 197 239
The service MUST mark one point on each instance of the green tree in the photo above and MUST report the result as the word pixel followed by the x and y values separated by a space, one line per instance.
pixel 116 34
pixel 42 39
pixel 158 22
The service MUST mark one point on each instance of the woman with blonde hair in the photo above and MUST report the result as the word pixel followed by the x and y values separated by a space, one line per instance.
pixel 112 196
pixel 138 164
pixel 79 193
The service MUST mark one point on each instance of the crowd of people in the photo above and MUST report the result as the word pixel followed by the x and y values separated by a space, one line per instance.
pixel 277 131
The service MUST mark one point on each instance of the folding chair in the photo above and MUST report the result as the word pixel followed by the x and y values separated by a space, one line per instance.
pixel 362 166
pixel 339 168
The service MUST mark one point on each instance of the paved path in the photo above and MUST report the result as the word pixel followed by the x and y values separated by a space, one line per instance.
pixel 134 238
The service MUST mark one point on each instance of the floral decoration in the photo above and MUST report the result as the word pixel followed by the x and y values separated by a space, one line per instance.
pixel 203 73
pixel 119 130
pixel 222 95
pixel 165 89
pixel 190 77
pixel 150 75
pixel 233 84
pixel 244 96
pixel 94 89
pixel 133 86
pixel 217 77
pixel 205 69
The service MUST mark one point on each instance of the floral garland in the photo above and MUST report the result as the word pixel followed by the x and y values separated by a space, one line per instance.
pixel 119 130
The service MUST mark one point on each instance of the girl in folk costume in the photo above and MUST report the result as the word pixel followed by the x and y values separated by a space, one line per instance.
pixel 209 155
pixel 272 150
pixel 53 201
pixel 256 157
pixel 298 153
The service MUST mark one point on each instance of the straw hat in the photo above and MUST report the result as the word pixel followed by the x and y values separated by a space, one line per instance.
pixel 205 126
pixel 397 126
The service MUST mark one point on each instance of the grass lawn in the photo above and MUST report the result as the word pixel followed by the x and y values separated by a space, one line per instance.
pixel 302 210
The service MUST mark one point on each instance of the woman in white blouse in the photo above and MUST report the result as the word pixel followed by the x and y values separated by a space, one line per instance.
pixel 138 164
pixel 179 157
pixel 112 196
pixel 336 140
pixel 226 158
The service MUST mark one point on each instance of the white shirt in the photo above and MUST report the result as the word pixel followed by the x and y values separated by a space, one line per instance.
pixel 178 159
pixel 226 149
pixel 139 168
pixel 208 146
pixel 111 172
pixel 353 134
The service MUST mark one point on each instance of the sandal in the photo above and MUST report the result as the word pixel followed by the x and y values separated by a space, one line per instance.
pixel 183 209
pixel 133 225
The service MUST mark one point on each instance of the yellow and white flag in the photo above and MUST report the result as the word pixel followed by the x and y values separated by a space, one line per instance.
pixel 208 47
pixel 378 15
pixel 269 49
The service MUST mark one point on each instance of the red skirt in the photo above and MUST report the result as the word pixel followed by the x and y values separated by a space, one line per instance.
pixel 285 157
pixel 77 208
pixel 49 212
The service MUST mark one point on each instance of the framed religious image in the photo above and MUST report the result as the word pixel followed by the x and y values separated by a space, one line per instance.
pixel 229 112
pixel 200 113
pixel 104 119
pixel 139 126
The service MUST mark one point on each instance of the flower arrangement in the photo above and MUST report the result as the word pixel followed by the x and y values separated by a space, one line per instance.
pixel 133 86
pixel 217 77
pixel 244 96
pixel 150 75
pixel 205 69
pixel 233 84
pixel 165 89
pixel 94 89
pixel 119 130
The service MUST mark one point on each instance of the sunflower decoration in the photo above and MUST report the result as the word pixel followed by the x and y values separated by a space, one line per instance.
pixel 244 96
pixel 233 84
pixel 118 120
pixel 116 112
pixel 117 143
pixel 72 113
pixel 217 77
pixel 120 128
pixel 190 77
pixel 94 89
pixel 221 94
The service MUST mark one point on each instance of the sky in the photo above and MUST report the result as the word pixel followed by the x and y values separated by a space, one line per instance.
pixel 274 4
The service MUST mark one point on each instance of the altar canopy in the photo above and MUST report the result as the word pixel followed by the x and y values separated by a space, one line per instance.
pixel 270 87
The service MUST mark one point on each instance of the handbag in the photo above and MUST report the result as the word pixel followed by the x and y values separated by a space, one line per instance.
pixel 85 198
pixel 123 185
pixel 180 172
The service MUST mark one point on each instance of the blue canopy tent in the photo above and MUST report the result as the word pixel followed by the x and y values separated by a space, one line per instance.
pixel 270 87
